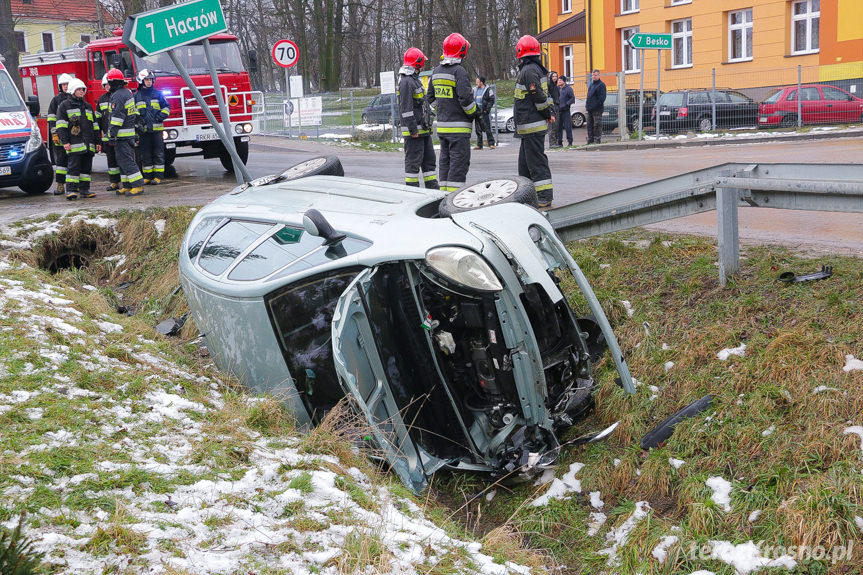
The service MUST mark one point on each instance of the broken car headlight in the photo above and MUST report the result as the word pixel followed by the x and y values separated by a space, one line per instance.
pixel 463 267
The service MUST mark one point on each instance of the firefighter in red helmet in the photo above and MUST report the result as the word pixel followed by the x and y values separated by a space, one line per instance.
pixel 416 122
pixel 450 91
pixel 533 112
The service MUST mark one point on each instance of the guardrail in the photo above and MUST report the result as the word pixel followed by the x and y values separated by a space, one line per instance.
pixel 724 188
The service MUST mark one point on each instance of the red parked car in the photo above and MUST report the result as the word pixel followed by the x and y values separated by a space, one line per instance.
pixel 819 104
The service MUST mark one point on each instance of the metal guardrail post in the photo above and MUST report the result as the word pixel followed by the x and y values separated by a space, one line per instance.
pixel 727 233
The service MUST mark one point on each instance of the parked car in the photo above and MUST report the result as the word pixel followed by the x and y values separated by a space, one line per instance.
pixel 682 110
pixel 440 315
pixel 819 104
pixel 506 122
pixel 380 110
pixel 612 107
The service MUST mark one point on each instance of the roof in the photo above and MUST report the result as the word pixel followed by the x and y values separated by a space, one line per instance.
pixel 570 30
pixel 66 10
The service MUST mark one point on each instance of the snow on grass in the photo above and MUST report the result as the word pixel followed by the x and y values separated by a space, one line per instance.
pixel 851 363
pixel 660 552
pixel 769 431
pixel 675 463
pixel 618 536
pixel 721 492
pixel 747 557
pixel 823 388
pixel 856 430
pixel 560 488
pixel 628 307
pixel 859 522
pixel 668 365
pixel 160 227
pixel 724 354
pixel 595 501
pixel 753 517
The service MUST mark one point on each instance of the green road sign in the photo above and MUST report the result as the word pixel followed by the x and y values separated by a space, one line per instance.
pixel 650 41
pixel 173 26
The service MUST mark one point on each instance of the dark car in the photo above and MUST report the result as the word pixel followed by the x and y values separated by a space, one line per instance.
pixel 818 104
pixel 683 110
pixel 380 110
pixel 612 107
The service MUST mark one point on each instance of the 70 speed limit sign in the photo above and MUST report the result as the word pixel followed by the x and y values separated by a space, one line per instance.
pixel 286 53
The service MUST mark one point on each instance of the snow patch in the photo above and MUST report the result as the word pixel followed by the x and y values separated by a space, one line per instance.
pixel 721 492
pixel 595 501
pixel 768 431
pixel 823 388
pixel 675 463
pixel 746 557
pixel 851 363
pixel 856 430
pixel 561 487
pixel 724 354
pixel 160 227
pixel 661 550
pixel 618 536
pixel 628 307
pixel 668 365
pixel 753 517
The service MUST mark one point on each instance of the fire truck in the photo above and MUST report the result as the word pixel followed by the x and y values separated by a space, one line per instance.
pixel 187 130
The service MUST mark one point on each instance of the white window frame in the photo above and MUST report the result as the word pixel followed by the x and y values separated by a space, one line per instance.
pixel 568 61
pixel 565 6
pixel 24 36
pixel 629 6
pixel 687 47
pixel 53 41
pixel 741 28
pixel 676 2
pixel 809 17
pixel 626 50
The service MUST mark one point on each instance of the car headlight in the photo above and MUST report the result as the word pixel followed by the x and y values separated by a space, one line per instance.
pixel 464 267
pixel 35 140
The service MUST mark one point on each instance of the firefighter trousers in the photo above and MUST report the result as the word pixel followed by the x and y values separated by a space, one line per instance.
pixel 152 148
pixel 420 162
pixel 533 164
pixel 61 161
pixel 129 173
pixel 454 162
pixel 78 176
pixel 113 168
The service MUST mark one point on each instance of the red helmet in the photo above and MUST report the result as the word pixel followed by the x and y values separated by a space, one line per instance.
pixel 115 74
pixel 415 57
pixel 527 45
pixel 455 46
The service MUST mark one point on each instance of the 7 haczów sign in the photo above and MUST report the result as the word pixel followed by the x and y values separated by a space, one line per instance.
pixel 173 26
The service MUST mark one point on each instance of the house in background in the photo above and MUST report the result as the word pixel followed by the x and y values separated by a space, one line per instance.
pixel 47 25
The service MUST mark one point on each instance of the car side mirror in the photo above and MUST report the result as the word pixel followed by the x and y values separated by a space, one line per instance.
pixel 253 60
pixel 316 224
pixel 33 105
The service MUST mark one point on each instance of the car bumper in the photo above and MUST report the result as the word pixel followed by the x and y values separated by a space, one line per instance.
pixel 34 167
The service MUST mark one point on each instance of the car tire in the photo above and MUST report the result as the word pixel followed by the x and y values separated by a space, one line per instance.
pixel 510 125
pixel 242 151
pixel 705 124
pixel 365 119
pixel 319 166
pixel 35 188
pixel 788 122
pixel 577 120
pixel 634 126
pixel 512 190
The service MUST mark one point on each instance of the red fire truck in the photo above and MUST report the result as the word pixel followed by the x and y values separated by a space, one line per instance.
pixel 187 130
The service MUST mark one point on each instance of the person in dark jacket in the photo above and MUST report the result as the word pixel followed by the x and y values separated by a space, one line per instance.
pixel 533 112
pixel 484 98
pixel 416 122
pixel 58 153
pixel 124 116
pixel 594 106
pixel 450 93
pixel 564 122
pixel 103 107
pixel 78 131
pixel 554 94
pixel 153 110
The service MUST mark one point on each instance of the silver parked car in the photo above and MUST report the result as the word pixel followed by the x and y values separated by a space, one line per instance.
pixel 440 315
pixel 505 119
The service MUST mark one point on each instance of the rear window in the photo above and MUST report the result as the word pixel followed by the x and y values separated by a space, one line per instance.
pixel 228 242
pixel 611 99
pixel 671 99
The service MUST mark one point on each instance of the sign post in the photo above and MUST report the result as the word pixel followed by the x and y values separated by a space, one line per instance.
pixel 174 26
pixel 286 53
pixel 388 86
pixel 643 41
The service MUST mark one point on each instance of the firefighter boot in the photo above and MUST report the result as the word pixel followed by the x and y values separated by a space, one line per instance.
pixel 60 189
pixel 155 182
pixel 112 187
pixel 87 193
pixel 135 191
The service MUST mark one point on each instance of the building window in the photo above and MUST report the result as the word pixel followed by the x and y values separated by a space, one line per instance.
pixel 805 22
pixel 48 41
pixel 565 6
pixel 631 61
pixel 676 2
pixel 21 41
pixel 627 6
pixel 85 38
pixel 681 43
pixel 567 62
pixel 740 35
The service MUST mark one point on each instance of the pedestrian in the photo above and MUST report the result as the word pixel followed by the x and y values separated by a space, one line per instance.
pixel 554 94
pixel 564 121
pixel 533 113
pixel 416 122
pixel 78 131
pixel 594 107
pixel 152 111
pixel 103 110
pixel 124 116
pixel 484 98
pixel 451 94
pixel 58 152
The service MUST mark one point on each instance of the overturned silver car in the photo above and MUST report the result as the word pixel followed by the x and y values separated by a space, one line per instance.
pixel 441 315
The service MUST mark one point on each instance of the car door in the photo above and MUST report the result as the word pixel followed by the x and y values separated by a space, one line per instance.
pixel 840 105
pixel 813 107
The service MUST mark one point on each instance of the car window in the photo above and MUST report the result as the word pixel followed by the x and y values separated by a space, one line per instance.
pixel 375 101
pixel 792 96
pixel 611 99
pixel 698 98
pixel 835 94
pixel 279 250
pixel 738 98
pixel 671 99
pixel 721 97
pixel 774 97
pixel 810 94
pixel 200 233
pixel 228 242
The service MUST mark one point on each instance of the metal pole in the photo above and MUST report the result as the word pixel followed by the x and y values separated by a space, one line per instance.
pixel 209 113
pixel 658 69
pixel 713 99
pixel 799 98
pixel 352 114
pixel 622 119
pixel 727 233
pixel 496 131
pixel 223 110
pixel 641 106
pixel 290 105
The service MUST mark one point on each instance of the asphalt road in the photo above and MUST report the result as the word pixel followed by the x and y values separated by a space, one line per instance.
pixel 577 175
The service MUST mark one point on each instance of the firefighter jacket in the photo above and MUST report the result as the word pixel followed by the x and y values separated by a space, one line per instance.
pixel 152 107
pixel 78 125
pixel 124 114
pixel 533 105
pixel 52 110
pixel 411 95
pixel 450 91
pixel 103 108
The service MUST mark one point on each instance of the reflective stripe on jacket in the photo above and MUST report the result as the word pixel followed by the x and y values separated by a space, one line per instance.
pixel 124 114
pixel 78 125
pixel 532 105
pixel 152 108
pixel 451 93
pixel 411 95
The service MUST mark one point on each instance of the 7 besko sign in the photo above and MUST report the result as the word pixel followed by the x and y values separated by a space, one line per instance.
pixel 173 26
pixel 650 41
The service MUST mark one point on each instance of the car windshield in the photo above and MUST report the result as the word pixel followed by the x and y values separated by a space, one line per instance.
pixel 773 97
pixel 10 100
pixel 226 58
pixel 671 99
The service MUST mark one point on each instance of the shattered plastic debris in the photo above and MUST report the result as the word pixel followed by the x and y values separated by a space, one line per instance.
pixel 724 354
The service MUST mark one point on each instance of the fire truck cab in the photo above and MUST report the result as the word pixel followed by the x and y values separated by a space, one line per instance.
pixel 187 130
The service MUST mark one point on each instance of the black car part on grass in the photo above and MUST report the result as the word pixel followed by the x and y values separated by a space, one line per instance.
pixel 659 434
pixel 792 278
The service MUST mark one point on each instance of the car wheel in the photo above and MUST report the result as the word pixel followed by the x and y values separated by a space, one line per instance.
pixel 34 188
pixel 510 125
pixel 242 151
pixel 577 120
pixel 320 166
pixel 365 119
pixel 788 122
pixel 634 124
pixel 516 190
pixel 705 124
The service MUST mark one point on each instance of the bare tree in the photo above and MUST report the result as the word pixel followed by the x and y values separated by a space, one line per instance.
pixel 8 43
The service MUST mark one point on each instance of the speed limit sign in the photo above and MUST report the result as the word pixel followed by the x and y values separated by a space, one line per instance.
pixel 286 53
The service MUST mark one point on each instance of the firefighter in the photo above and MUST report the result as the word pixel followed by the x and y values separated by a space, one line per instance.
pixel 60 160
pixel 450 91
pixel 152 111
pixel 103 110
pixel 416 122
pixel 124 116
pixel 533 111
pixel 78 131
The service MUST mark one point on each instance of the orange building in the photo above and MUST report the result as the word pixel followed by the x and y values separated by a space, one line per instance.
pixel 734 43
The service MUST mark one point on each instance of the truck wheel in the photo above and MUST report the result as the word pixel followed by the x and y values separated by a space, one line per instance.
pixel 577 120
pixel 242 151
pixel 516 190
